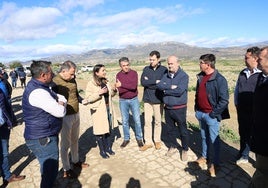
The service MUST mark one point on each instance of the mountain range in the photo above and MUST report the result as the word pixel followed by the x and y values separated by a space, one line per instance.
pixel 141 53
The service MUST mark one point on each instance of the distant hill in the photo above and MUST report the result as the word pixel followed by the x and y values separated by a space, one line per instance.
pixel 141 52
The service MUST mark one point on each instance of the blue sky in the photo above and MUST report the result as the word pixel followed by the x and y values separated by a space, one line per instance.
pixel 35 29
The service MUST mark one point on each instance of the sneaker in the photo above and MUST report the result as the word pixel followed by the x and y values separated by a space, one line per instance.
pixel 124 144
pixel 241 161
pixel 171 151
pixel 145 147
pixel 158 145
pixel 184 156
pixel 211 171
pixel 140 143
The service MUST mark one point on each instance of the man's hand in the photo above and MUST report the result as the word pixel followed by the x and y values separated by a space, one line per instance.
pixel 61 103
pixel 85 101
pixel 62 100
pixel 118 84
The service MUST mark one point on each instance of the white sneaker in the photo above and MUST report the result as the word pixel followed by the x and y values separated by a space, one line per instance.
pixel 241 161
pixel 171 151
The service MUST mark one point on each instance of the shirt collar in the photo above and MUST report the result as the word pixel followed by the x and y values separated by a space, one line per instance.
pixel 248 72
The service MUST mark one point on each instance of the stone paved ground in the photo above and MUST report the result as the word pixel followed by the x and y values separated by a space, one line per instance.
pixel 130 167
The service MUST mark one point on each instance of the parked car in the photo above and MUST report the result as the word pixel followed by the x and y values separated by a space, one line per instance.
pixel 87 68
pixel 27 70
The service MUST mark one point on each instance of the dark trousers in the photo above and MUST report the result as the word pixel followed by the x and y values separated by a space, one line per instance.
pixel 22 82
pixel 173 117
pixel 244 126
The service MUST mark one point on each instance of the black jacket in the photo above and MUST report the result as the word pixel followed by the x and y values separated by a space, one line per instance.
pixel 148 80
pixel 259 130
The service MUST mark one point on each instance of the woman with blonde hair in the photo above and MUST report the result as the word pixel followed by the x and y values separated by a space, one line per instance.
pixel 99 95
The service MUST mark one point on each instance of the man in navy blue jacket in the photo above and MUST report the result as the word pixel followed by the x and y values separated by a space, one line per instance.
pixel 153 101
pixel 174 84
pixel 211 106
pixel 43 110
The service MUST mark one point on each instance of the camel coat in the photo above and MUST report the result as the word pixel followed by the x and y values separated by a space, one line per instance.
pixel 98 108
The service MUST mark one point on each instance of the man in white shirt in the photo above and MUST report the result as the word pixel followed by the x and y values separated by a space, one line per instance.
pixel 43 110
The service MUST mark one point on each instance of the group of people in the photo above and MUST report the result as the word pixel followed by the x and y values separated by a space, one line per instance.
pixel 165 89
pixel 53 105
pixel 14 75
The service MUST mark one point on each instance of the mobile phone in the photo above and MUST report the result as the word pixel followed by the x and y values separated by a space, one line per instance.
pixel 44 141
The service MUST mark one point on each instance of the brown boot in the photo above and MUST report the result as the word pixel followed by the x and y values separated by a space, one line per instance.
pixel 157 145
pixel 145 147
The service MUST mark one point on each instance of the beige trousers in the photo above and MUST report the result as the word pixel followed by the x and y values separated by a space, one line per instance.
pixel 69 140
pixel 152 133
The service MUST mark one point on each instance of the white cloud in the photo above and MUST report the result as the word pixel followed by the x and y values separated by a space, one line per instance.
pixel 29 23
pixel 131 27
pixel 67 5
pixel 38 51
pixel 138 17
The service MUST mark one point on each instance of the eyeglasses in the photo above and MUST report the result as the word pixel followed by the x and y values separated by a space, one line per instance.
pixel 202 62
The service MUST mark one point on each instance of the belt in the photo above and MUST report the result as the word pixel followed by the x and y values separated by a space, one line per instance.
pixel 176 106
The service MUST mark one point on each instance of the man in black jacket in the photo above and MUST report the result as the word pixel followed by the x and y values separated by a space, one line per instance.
pixel 259 138
pixel 152 98
pixel 243 96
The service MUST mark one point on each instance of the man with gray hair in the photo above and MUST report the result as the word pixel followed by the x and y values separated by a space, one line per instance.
pixel 65 84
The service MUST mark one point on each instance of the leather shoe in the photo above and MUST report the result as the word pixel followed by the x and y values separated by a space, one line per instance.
pixel 124 144
pixel 69 174
pixel 145 147
pixel 157 145
pixel 140 143
pixel 81 165
pixel 15 178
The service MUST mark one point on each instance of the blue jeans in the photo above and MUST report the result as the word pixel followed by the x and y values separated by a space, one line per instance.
pixel 134 106
pixel 210 128
pixel 14 82
pixel 4 162
pixel 46 151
